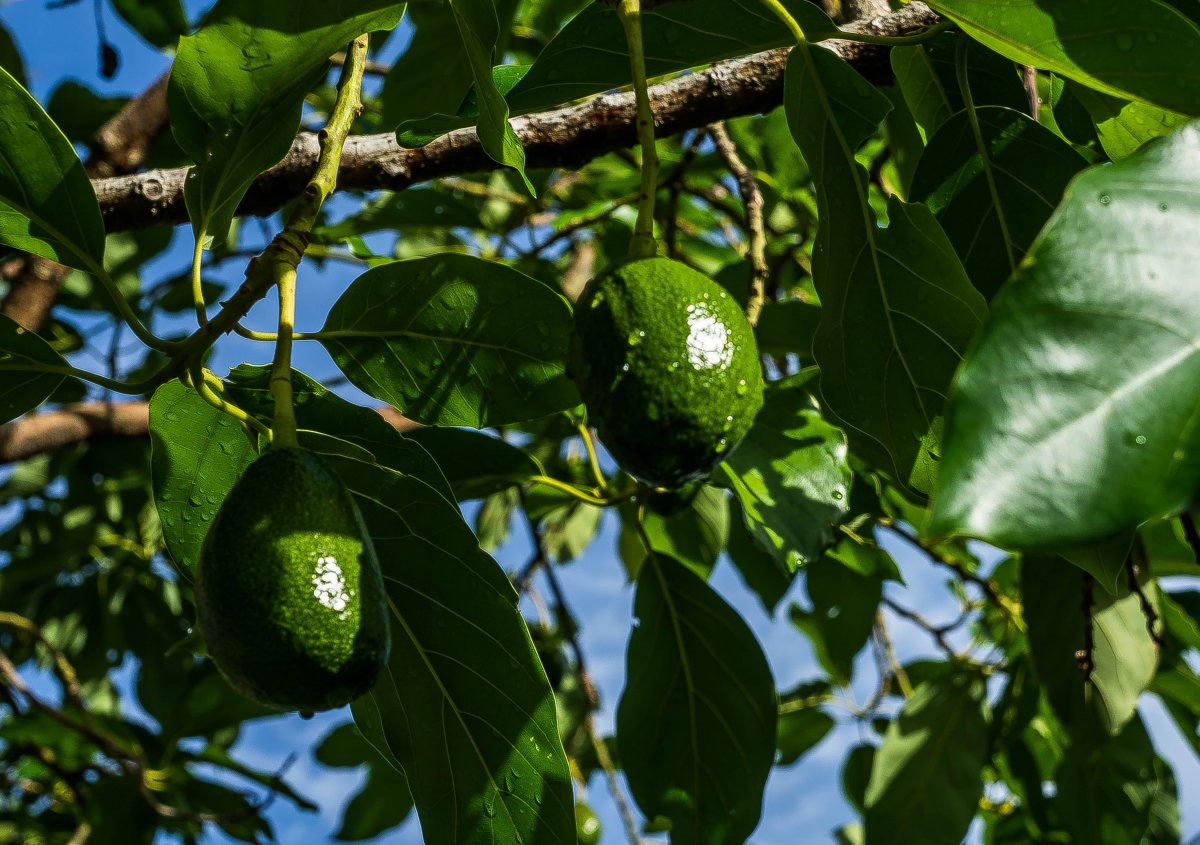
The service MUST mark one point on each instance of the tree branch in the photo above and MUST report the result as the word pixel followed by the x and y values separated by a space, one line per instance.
pixel 566 137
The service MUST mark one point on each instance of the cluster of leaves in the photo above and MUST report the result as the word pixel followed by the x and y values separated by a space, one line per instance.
pixel 978 324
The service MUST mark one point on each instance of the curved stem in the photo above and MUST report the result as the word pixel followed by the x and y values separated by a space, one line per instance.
pixel 128 387
pixel 251 334
pixel 642 245
pixel 209 387
pixel 127 313
pixel 197 283
pixel 593 460
pixel 790 22
pixel 284 423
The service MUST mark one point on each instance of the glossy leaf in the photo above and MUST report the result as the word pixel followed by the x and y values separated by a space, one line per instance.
pixel 1134 50
pixel 465 699
pixel 454 340
pixel 475 464
pixel 696 721
pixel 433 74
pixel 1124 657
pixel 47 205
pixel 763 572
pixel 898 310
pixel 926 776
pixel 1103 561
pixel 160 22
pixel 24 390
pixel 238 85
pixel 1089 431
pixel 198 455
pixel 844 604
pixel 695 535
pixel 992 203
pixel 1124 126
pixel 791 477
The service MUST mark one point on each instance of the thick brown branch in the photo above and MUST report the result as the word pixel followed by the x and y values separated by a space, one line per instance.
pixel 566 137
pixel 53 431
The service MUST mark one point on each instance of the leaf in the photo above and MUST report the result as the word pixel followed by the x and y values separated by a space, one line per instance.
pixel 197 456
pixel 764 573
pixel 464 699
pixel 926 776
pixel 160 22
pixel 475 464
pixel 1103 387
pixel 238 84
pixel 993 204
pixel 454 340
pixel 843 615
pixel 383 801
pixel 1124 657
pixel 416 208
pixel 695 536
pixel 1137 51
pixel 433 74
pixel 24 390
pixel 1124 126
pixel 799 732
pixel 886 361
pixel 696 721
pixel 47 205
pixel 1103 561
pixel 10 56
pixel 791 477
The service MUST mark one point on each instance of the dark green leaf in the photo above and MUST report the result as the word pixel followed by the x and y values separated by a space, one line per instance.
pixel 886 361
pixel 10 56
pixel 24 390
pixel 465 699
pixel 406 210
pixel 1123 655
pixel 763 572
pixel 198 454
pixel 384 800
pixel 160 22
pixel 454 340
pixel 237 87
pixel 696 722
pixel 791 477
pixel 1103 561
pixel 856 775
pixel 799 731
pixel 926 776
pixel 434 73
pixel 993 204
pixel 47 205
pixel 1104 386
pixel 475 464
pixel 79 111
pixel 1133 50
pixel 843 615
pixel 694 536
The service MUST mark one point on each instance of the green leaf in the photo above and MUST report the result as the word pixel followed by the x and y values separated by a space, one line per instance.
pixel 198 454
pixel 417 208
pixel 993 204
pixel 764 573
pixel 696 722
pixel 47 205
pixel 886 361
pixel 22 391
pixel 238 85
pixel 799 732
pixel 433 74
pixel 475 464
pixel 791 477
pixel 1124 657
pixel 927 774
pixel 1125 125
pixel 383 801
pixel 1103 387
pixel 695 536
pixel 856 775
pixel 843 615
pixel 10 56
pixel 1103 561
pixel 454 340
pixel 464 699
pixel 160 22
pixel 79 111
pixel 1138 51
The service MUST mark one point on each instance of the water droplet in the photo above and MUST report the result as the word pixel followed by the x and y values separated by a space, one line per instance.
pixel 1162 206
pixel 839 495
pixel 742 387
pixel 1140 440
pixel 624 368
pixel 194 500
pixel 635 338
pixel 1105 199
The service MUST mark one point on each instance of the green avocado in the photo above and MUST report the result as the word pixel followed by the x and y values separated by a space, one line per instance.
pixel 668 368
pixel 288 590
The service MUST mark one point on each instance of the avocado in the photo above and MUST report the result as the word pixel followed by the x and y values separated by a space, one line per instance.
pixel 289 594
pixel 668 368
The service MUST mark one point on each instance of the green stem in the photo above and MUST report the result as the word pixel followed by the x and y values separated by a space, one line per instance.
pixel 642 245
pixel 127 313
pixel 128 387
pixel 790 22
pixel 198 284
pixel 210 389
pixel 284 423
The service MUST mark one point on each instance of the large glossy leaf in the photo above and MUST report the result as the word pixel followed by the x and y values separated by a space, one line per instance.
pixel 693 535
pixel 238 84
pixel 454 340
pixel 1139 50
pixel 47 205
pixel 198 454
pixel 433 74
pixel 898 310
pixel 791 477
pixel 926 776
pixel 1124 656
pixel 1123 126
pixel 993 201
pixel 1073 418
pixel 696 721
pixel 22 391
pixel 464 700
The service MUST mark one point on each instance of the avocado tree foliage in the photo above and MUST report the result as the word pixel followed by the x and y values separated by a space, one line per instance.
pixel 964 233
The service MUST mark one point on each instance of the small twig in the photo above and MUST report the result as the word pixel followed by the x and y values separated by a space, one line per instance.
pixel 1031 90
pixel 938 632
pixel 1135 564
pixel 885 643
pixel 1085 657
pixel 752 198
pixel 66 672
pixel 1190 533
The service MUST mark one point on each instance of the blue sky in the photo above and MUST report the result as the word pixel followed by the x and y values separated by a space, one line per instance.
pixel 803 802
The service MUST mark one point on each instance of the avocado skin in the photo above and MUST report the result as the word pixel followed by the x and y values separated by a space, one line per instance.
pixel 289 594
pixel 668 368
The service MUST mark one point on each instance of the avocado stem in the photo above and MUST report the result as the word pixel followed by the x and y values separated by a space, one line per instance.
pixel 642 245
pixel 283 426
pixel 784 15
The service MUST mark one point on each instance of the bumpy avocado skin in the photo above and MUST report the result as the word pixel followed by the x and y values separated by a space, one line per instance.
pixel 668 368
pixel 288 589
